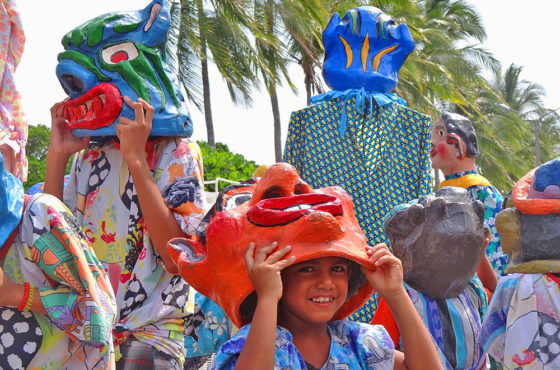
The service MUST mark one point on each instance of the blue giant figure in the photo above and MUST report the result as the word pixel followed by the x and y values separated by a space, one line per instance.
pixel 361 135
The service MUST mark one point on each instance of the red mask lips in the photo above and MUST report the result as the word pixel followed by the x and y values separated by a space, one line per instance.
pixel 433 151
pixel 282 211
pixel 99 107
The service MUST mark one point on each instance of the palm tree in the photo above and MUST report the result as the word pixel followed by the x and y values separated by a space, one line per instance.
pixel 521 96
pixel 272 59
pixel 216 31
pixel 446 66
pixel 506 132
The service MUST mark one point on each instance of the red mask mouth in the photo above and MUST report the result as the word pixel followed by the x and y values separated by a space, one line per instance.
pixel 99 107
pixel 433 151
pixel 282 211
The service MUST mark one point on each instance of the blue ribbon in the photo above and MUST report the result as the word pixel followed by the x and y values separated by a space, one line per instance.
pixel 362 96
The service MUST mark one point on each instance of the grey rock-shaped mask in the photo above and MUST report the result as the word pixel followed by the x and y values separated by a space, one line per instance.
pixel 439 239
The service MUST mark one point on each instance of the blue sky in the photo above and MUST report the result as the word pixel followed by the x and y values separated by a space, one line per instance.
pixel 516 33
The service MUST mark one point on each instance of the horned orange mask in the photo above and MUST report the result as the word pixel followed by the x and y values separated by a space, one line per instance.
pixel 282 208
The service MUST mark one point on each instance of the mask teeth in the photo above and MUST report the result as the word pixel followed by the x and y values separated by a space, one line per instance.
pixel 87 110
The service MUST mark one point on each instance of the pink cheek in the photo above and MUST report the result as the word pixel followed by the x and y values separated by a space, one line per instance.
pixel 442 150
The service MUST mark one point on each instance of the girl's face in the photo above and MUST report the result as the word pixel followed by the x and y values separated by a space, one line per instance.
pixel 314 290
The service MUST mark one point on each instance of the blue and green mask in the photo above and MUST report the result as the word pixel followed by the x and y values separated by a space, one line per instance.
pixel 365 49
pixel 117 55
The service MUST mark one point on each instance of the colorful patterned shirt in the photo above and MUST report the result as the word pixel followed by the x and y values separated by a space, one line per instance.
pixel 353 346
pixel 52 252
pixel 522 326
pixel 492 201
pixel 454 324
pixel 152 303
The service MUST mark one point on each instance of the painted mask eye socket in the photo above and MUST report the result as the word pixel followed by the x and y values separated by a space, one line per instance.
pixel 114 54
pixel 237 199
pixel 441 133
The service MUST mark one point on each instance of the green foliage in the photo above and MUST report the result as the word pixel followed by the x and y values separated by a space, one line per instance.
pixel 36 150
pixel 221 162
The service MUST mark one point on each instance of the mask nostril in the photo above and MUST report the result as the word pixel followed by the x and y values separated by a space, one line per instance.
pixel 71 84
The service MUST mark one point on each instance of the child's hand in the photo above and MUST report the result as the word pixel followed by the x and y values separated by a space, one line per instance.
pixel 62 141
pixel 264 269
pixel 386 273
pixel 133 135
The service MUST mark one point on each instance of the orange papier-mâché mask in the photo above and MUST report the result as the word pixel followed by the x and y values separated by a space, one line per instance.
pixel 280 207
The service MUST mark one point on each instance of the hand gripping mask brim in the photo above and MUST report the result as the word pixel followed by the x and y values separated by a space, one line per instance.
pixel 279 207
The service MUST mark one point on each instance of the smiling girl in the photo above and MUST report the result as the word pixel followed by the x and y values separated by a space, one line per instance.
pixel 292 327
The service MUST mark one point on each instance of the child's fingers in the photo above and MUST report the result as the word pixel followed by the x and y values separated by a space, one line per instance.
pixel 371 250
pixel 278 255
pixel 148 109
pixel 387 260
pixel 125 121
pixel 378 254
pixel 55 108
pixel 282 264
pixel 263 252
pixel 249 256
pixel 138 109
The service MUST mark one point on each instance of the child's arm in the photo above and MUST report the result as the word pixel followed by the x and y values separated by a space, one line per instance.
pixel 160 221
pixel 486 274
pixel 264 271
pixel 485 271
pixel 62 145
pixel 386 277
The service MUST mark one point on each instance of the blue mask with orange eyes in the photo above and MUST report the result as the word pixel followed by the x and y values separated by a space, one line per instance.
pixel 117 55
pixel 365 50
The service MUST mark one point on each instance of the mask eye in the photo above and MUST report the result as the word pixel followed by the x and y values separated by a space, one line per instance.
pixel 237 199
pixel 119 53
pixel 441 133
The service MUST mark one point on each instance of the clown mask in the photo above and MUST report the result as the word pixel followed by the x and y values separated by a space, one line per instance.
pixel 117 55
pixel 448 149
pixel 282 208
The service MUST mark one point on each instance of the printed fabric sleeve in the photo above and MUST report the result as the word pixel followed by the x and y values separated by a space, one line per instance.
pixel 70 193
pixel 180 181
pixel 79 301
pixel 286 355
pixel 492 201
pixel 494 327
pixel 372 344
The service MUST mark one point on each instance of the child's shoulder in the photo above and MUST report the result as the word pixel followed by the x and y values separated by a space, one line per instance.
pixel 357 332
pixel 367 345
pixel 235 344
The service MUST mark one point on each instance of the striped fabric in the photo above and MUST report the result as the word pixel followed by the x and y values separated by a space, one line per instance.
pixel 455 325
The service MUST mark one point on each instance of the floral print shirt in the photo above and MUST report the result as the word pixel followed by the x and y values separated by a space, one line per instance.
pixel 492 201
pixel 353 346
pixel 52 252
pixel 152 303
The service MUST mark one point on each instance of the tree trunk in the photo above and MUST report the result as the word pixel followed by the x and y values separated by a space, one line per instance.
pixel 277 127
pixel 205 79
pixel 308 71
pixel 207 103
